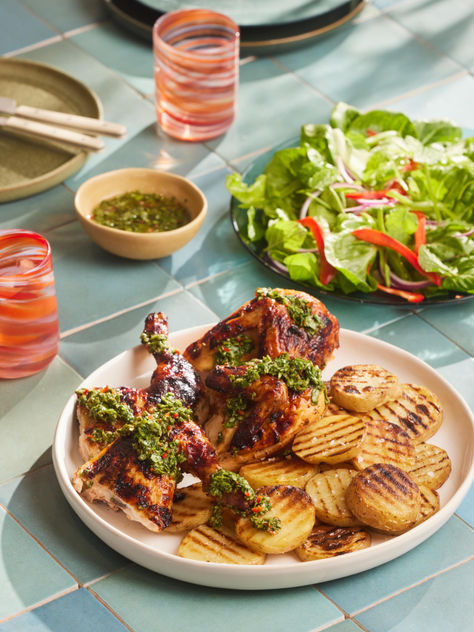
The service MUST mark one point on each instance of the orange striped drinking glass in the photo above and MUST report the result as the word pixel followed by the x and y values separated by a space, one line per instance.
pixel 196 64
pixel 29 328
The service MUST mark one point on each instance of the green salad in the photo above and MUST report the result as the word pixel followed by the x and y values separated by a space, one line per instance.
pixel 370 202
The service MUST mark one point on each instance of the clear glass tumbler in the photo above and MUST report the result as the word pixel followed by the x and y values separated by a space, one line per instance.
pixel 196 55
pixel 29 329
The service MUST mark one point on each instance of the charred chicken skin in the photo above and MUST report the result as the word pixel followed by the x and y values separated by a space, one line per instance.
pixel 274 322
pixel 140 441
pixel 260 406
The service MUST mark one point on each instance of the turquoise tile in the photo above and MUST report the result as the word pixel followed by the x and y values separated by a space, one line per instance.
pixel 226 292
pixel 215 248
pixel 121 103
pixel 29 409
pixel 451 100
pixel 91 347
pixel 455 322
pixel 38 504
pixel 20 28
pixel 151 148
pixel 361 63
pixel 39 213
pixel 466 508
pixel 416 336
pixel 28 575
pixel 66 15
pixel 452 544
pixel 263 118
pixel 139 597
pixel 461 376
pixel 438 605
pixel 80 609
pixel 345 626
pixel 448 26
pixel 135 60
pixel 93 284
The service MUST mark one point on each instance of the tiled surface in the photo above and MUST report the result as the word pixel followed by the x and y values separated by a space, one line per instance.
pixel 412 55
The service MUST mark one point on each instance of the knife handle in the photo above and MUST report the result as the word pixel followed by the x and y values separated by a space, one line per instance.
pixel 59 134
pixel 83 123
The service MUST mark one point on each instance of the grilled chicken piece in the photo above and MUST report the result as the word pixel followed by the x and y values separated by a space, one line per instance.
pixel 89 427
pixel 275 321
pixel 116 477
pixel 173 373
pixel 270 416
pixel 116 474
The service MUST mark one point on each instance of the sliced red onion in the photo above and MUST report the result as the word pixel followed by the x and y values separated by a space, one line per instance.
pixel 401 284
pixel 304 208
pixel 343 170
pixel 277 265
pixel 308 250
pixel 468 234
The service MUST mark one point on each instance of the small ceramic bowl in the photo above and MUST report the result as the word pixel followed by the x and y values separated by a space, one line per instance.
pixel 139 245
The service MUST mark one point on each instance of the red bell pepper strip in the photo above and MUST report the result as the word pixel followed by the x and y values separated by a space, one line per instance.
pixel 411 297
pixel 378 238
pixel 326 271
pixel 420 233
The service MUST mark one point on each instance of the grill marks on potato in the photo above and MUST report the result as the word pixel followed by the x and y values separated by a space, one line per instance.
pixel 431 466
pixel 429 503
pixel 328 492
pixel 384 442
pixel 384 497
pixel 209 545
pixel 328 541
pixel 296 511
pixel 191 508
pixel 285 471
pixel 330 439
pixel 418 411
pixel 362 387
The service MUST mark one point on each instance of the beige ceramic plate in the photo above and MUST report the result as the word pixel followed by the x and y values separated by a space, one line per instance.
pixel 158 551
pixel 29 166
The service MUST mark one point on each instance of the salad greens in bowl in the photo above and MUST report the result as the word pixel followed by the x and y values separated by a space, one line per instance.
pixel 371 203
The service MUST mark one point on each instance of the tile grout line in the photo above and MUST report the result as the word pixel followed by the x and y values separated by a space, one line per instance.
pixel 411 586
pixel 79 328
pixel 422 89
pixel 39 604
pixel 456 343
pixel 109 608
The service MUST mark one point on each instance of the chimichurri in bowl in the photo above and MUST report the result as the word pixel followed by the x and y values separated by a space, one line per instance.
pixel 140 213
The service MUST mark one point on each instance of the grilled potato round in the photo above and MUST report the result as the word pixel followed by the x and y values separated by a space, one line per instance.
pixel 191 507
pixel 346 465
pixel 296 512
pixel 283 471
pixel 362 387
pixel 429 503
pixel 385 442
pixel 384 497
pixel 327 541
pixel 331 439
pixel 328 493
pixel 431 467
pixel 206 544
pixel 418 411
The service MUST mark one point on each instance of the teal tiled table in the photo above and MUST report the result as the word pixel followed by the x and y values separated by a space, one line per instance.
pixel 412 55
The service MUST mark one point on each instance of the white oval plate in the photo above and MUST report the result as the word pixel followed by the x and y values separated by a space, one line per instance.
pixel 158 551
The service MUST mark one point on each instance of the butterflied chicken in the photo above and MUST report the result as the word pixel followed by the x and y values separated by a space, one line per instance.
pixel 146 439
pixel 274 322
pixel 260 405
